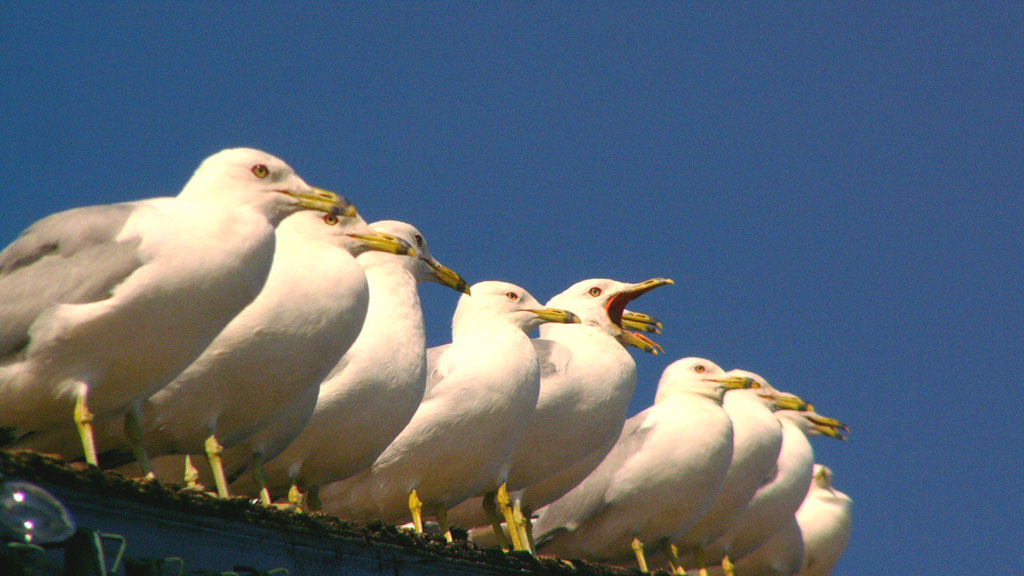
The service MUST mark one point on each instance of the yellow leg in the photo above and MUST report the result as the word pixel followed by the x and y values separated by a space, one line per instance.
pixel 442 520
pixel 83 419
pixel 416 508
pixel 133 432
pixel 673 559
pixel 641 560
pixel 528 516
pixel 728 567
pixel 504 503
pixel 192 476
pixel 260 476
pixel 296 498
pixel 521 522
pixel 213 452
pixel 491 510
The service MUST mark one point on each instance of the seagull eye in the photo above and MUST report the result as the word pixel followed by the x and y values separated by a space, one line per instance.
pixel 260 171
pixel 512 296
pixel 330 219
pixel 595 291
pixel 700 369
pixel 419 241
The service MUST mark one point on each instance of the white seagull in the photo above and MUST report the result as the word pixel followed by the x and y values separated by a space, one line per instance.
pixel 809 543
pixel 662 475
pixel 277 350
pixel 481 390
pixel 826 522
pixel 101 306
pixel 757 440
pixel 777 500
pixel 373 391
pixel 587 382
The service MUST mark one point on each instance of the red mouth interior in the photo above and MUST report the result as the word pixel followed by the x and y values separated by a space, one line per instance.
pixel 616 305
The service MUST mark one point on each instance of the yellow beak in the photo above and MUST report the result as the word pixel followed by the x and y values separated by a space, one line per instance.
pixel 448 277
pixel 380 242
pixel 640 322
pixel 735 382
pixel 557 315
pixel 642 342
pixel 324 201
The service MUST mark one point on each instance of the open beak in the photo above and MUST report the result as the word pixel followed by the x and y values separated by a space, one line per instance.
pixel 616 308
pixel 446 276
pixel 735 382
pixel 642 342
pixel 324 201
pixel 381 242
pixel 617 304
pixel 640 322
pixel 556 315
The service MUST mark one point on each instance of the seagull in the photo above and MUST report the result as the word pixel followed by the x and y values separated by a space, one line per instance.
pixel 373 391
pixel 556 484
pixel 278 349
pixel 826 522
pixel 757 440
pixel 310 307
pixel 810 542
pixel 660 477
pixel 587 383
pixel 102 305
pixel 780 495
pixel 481 390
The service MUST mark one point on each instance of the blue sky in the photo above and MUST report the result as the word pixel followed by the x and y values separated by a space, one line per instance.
pixel 836 191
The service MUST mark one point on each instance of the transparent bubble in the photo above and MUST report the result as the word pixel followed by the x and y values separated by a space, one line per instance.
pixel 32 515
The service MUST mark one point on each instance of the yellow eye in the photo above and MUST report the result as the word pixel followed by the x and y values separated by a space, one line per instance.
pixel 512 296
pixel 330 219
pixel 595 292
pixel 700 369
pixel 260 170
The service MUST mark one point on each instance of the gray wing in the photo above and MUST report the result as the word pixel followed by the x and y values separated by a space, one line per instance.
pixel 433 377
pixel 589 498
pixel 551 356
pixel 71 257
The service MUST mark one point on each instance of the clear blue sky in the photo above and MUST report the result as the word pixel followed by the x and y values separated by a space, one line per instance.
pixel 837 192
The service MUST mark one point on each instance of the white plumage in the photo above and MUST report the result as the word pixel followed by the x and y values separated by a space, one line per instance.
pixel 374 389
pixel 662 475
pixel 481 389
pixel 102 306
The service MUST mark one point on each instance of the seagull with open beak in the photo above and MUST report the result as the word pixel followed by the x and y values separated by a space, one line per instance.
pixel 587 383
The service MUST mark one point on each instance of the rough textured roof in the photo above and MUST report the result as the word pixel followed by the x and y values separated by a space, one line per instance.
pixel 212 534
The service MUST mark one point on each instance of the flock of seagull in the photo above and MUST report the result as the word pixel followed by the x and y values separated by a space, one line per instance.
pixel 255 334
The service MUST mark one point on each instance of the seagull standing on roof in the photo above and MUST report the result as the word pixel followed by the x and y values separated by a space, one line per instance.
pixel 481 390
pixel 276 351
pixel 659 478
pixel 587 382
pixel 826 523
pixel 810 542
pixel 101 306
pixel 374 389
pixel 757 440
pixel 779 496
